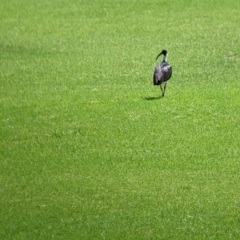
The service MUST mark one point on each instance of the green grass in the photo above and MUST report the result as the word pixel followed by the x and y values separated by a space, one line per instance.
pixel 89 150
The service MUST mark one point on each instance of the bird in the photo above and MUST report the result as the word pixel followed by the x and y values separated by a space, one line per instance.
pixel 162 72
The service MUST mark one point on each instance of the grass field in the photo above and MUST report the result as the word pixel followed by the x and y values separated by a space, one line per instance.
pixel 89 149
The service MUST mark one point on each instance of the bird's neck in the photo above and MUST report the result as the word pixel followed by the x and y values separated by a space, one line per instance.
pixel 164 58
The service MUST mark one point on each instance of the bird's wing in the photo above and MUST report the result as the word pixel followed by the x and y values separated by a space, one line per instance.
pixel 158 75
pixel 167 71
pixel 166 68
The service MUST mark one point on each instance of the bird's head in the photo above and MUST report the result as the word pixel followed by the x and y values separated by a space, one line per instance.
pixel 163 52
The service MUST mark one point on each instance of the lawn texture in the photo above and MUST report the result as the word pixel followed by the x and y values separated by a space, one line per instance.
pixel 90 149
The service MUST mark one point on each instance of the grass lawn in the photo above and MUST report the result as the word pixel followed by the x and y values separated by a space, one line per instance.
pixel 89 149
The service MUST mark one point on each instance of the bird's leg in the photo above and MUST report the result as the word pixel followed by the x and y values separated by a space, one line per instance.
pixel 162 90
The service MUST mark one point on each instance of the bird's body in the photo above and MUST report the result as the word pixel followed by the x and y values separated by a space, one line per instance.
pixel 162 72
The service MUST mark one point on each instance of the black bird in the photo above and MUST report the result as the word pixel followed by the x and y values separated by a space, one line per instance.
pixel 162 73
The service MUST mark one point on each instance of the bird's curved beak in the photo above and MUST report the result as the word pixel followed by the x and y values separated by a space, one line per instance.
pixel 158 55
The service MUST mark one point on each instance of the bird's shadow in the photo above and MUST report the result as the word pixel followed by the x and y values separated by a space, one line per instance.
pixel 152 98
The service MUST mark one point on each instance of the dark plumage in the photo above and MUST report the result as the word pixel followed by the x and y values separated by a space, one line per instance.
pixel 162 73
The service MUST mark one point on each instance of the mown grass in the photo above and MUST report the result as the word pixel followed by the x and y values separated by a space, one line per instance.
pixel 89 150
